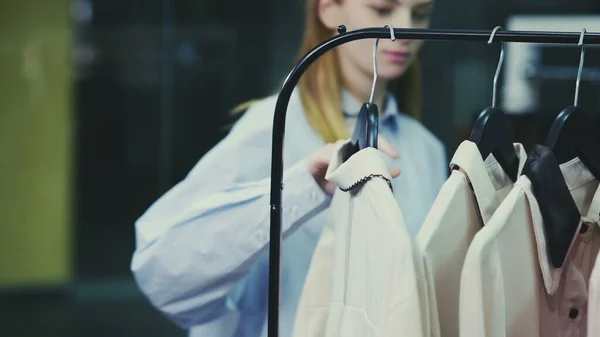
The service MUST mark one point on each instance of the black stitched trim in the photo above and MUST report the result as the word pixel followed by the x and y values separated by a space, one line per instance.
pixel 357 186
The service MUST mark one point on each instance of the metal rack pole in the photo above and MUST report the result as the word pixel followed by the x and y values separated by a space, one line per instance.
pixel 292 79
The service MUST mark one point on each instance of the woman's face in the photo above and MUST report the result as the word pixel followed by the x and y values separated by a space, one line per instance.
pixel 393 57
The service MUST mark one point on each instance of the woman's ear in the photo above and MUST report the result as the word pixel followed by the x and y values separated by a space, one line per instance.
pixel 330 13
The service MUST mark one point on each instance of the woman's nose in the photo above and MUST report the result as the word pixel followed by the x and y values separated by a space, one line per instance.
pixel 404 18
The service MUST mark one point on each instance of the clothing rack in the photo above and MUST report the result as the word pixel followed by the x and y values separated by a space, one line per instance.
pixel 345 37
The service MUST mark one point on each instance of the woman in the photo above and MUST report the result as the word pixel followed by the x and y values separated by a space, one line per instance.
pixel 201 253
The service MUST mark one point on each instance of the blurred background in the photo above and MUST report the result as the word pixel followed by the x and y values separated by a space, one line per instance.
pixel 104 105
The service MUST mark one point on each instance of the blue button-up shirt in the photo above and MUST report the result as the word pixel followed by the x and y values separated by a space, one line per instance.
pixel 202 248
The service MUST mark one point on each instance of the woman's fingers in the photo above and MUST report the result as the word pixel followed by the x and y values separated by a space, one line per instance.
pixel 394 171
pixel 386 147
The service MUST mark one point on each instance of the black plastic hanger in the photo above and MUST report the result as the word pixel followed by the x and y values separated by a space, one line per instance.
pixel 573 133
pixel 558 209
pixel 491 131
pixel 366 129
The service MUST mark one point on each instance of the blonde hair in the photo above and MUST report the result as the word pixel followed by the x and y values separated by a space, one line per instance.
pixel 320 86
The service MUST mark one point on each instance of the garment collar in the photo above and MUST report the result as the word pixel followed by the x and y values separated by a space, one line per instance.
pixel 486 177
pixel 360 166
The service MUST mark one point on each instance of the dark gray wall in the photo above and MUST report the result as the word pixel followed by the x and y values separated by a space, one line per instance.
pixel 166 72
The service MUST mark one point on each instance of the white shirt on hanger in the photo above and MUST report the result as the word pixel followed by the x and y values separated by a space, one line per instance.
pixel 466 201
pixel 361 281
pixel 508 286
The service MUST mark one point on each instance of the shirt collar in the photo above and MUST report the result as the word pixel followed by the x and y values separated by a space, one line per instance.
pixel 359 168
pixel 499 177
pixel 351 106
pixel 486 177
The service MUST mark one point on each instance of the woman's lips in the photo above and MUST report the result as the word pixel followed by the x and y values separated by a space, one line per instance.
pixel 397 56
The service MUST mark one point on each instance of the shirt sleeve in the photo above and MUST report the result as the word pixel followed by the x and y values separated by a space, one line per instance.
pixel 198 241
pixel 482 303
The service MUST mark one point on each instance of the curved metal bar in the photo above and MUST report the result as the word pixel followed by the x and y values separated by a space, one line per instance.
pixel 299 69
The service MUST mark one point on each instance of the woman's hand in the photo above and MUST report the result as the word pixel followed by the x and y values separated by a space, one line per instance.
pixel 318 162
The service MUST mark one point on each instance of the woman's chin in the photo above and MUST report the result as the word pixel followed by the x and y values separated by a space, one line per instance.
pixel 391 72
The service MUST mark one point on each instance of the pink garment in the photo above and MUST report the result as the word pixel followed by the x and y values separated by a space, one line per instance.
pixel 593 323
pixel 509 288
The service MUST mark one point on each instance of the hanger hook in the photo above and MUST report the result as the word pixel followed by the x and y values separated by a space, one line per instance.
pixel 393 38
pixel 580 70
pixel 500 62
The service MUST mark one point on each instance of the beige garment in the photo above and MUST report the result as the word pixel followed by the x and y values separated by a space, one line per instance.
pixel 508 286
pixel 593 323
pixel 361 282
pixel 466 201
